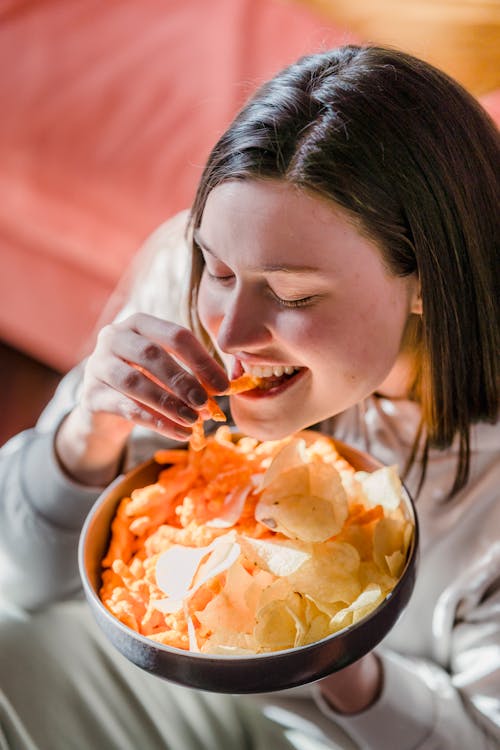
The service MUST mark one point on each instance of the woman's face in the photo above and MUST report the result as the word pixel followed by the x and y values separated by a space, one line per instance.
pixel 291 290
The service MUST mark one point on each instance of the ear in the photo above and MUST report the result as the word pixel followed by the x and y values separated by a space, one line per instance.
pixel 416 306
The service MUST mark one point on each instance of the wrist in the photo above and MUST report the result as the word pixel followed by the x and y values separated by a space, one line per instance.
pixel 355 688
pixel 90 447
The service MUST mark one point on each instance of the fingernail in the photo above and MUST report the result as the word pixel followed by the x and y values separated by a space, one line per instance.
pixel 181 435
pixel 220 383
pixel 197 397
pixel 188 414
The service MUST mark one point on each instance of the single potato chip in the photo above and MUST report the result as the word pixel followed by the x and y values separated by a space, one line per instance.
pixel 281 624
pixel 331 573
pixel 291 456
pixel 306 502
pixel 389 539
pixel 368 599
pixel 233 609
pixel 381 487
pixel 280 559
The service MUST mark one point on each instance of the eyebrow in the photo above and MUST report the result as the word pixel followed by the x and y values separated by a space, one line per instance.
pixel 269 268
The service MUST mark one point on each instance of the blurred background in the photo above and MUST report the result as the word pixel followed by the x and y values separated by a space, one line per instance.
pixel 109 110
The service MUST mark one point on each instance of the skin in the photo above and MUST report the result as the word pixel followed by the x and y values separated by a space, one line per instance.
pixel 347 333
pixel 347 330
pixel 341 319
pixel 131 378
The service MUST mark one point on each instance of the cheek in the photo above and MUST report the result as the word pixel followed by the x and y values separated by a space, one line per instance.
pixel 372 335
pixel 352 337
pixel 208 309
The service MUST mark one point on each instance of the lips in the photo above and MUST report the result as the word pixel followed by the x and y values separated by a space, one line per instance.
pixel 274 381
pixel 274 385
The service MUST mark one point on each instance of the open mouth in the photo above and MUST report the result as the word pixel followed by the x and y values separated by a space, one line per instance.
pixel 273 380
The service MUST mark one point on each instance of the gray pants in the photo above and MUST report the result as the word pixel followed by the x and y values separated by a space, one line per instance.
pixel 63 687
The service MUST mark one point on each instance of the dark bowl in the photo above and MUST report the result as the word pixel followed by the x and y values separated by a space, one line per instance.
pixel 258 673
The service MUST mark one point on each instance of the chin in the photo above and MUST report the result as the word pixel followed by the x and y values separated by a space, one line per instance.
pixel 263 430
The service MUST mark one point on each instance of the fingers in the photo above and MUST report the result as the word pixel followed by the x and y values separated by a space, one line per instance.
pixel 138 372
pixel 150 359
pixel 138 387
pixel 111 401
pixel 183 345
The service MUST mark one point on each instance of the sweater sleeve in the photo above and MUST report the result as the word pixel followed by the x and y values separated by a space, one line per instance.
pixel 422 705
pixel 445 696
pixel 41 511
pixel 427 706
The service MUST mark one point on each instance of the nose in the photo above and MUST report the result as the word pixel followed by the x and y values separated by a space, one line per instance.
pixel 242 323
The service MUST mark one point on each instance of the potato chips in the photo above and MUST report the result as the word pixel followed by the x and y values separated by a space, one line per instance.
pixel 212 410
pixel 245 547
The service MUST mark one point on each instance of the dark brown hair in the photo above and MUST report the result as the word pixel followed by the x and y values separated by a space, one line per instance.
pixel 414 159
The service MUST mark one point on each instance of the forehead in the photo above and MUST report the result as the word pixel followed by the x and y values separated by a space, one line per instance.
pixel 272 221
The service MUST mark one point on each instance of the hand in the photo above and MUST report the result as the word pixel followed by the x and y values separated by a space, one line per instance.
pixel 134 377
pixel 354 688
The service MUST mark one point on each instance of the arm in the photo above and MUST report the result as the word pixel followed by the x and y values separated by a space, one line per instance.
pixel 442 687
pixel 422 706
pixel 425 705
pixel 50 476
pixel 447 700
pixel 440 666
pixel 41 510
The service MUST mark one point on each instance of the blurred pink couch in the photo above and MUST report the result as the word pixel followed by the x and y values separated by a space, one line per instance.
pixel 108 113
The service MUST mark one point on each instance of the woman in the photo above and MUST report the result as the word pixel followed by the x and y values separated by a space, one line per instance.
pixel 342 244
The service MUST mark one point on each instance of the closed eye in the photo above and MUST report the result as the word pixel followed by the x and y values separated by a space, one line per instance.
pixel 302 302
pixel 218 276
pixel 287 303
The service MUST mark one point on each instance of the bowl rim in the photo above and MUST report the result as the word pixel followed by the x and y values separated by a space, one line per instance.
pixel 92 594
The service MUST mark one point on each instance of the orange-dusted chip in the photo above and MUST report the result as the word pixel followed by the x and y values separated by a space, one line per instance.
pixel 210 410
pixel 245 382
pixel 122 538
pixel 197 441
pixel 213 411
pixel 253 516
pixel 171 456
pixel 360 516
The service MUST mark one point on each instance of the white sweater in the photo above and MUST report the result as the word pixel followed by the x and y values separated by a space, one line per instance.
pixel 441 661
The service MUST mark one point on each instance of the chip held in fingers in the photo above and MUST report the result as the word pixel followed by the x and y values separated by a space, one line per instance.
pixel 245 382
pixel 211 409
pixel 245 547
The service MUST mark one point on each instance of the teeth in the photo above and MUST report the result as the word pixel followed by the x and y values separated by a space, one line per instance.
pixel 267 371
